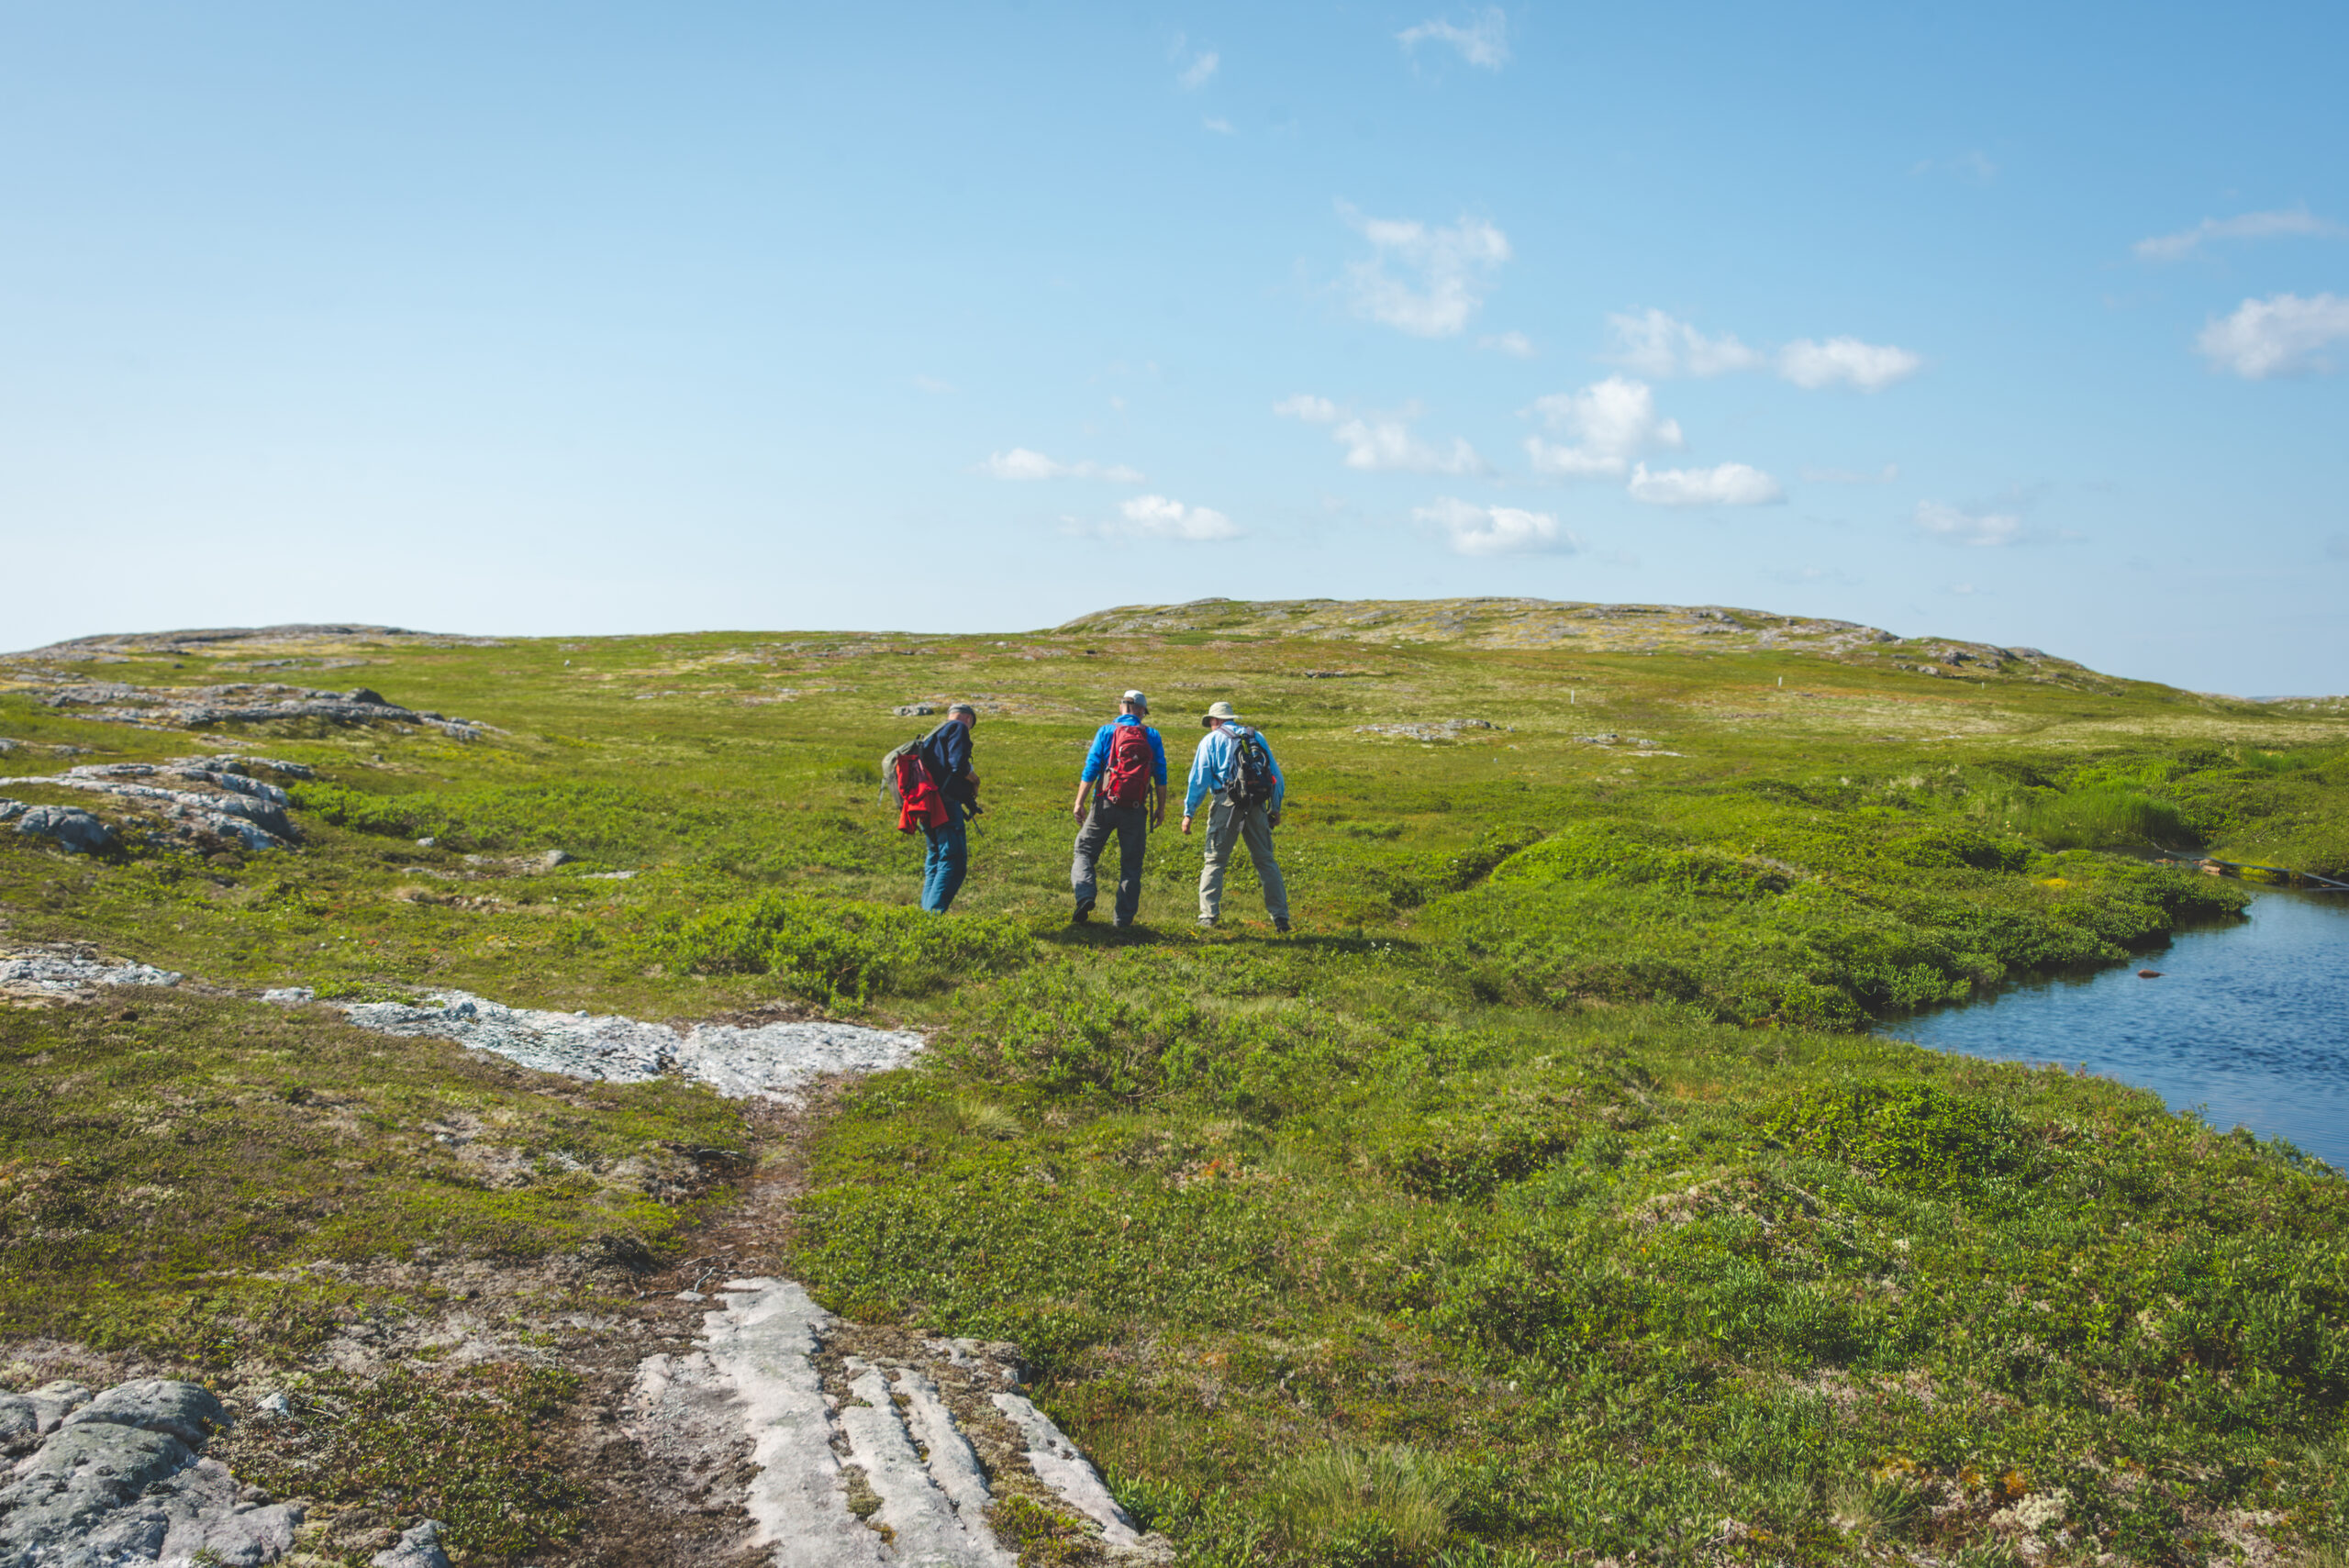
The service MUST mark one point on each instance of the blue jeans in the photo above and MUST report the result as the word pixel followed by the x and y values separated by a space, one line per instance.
pixel 949 861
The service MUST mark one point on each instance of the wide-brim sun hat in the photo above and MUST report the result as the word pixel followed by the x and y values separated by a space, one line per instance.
pixel 1222 711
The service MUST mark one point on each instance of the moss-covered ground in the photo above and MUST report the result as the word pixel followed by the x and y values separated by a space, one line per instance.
pixel 1543 1196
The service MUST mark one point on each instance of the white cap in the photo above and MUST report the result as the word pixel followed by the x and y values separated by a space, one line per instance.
pixel 1136 699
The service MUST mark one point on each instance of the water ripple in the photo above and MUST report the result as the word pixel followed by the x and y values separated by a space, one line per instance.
pixel 2248 1024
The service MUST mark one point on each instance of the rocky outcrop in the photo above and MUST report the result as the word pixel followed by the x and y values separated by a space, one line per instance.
pixel 71 829
pixel 228 801
pixel 1433 729
pixel 418 1548
pixel 226 638
pixel 120 1479
pixel 242 702
pixel 769 1060
pixel 869 1454
pixel 70 973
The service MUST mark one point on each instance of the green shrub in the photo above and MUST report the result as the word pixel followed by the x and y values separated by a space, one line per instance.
pixel 1621 855
pixel 1469 1156
pixel 582 818
pixel 1916 1136
pixel 475 1449
pixel 833 952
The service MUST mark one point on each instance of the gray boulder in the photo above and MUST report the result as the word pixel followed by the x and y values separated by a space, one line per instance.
pixel 203 1511
pixel 67 1491
pixel 73 829
pixel 24 1418
pixel 418 1548
pixel 183 1410
pixel 117 1481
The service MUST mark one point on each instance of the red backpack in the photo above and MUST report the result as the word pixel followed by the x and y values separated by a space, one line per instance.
pixel 906 783
pixel 1126 781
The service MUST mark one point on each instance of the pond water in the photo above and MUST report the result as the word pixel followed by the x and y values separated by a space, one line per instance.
pixel 2248 1024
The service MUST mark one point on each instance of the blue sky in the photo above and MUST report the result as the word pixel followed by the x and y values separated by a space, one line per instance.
pixel 1992 321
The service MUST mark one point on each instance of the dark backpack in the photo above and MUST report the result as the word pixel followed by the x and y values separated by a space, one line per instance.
pixel 1126 780
pixel 1253 783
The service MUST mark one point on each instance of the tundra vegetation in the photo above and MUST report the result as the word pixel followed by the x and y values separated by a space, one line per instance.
pixel 1559 1191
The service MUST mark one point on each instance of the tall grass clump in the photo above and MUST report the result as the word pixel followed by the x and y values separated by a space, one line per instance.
pixel 1365 1507
pixel 2103 815
pixel 832 951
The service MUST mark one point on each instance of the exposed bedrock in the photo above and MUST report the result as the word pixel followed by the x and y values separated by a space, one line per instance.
pixel 120 1478
pixel 869 1455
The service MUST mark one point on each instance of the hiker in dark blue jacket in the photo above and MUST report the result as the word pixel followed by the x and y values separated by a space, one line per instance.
pixel 1126 779
pixel 946 750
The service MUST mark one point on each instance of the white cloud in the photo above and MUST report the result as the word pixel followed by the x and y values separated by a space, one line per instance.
pixel 1610 422
pixel 1975 168
pixel 932 385
pixel 1383 443
pixel 1222 127
pixel 1484 41
pixel 1157 517
pixel 2281 335
pixel 1516 345
pixel 1454 267
pixel 1195 75
pixel 1728 484
pixel 2244 225
pixel 1871 367
pixel 1497 530
pixel 1953 525
pixel 1021 463
pixel 1654 344
pixel 1386 445
pixel 1885 475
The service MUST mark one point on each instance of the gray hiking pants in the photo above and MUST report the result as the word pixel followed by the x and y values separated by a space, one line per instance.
pixel 1227 825
pixel 1132 824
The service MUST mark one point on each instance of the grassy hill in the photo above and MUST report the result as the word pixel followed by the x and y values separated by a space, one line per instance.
pixel 1543 1196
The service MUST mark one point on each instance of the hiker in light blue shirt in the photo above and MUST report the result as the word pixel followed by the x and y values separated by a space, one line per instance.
pixel 1240 813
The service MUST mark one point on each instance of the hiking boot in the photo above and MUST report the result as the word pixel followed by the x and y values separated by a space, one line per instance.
pixel 1207 922
pixel 1280 923
pixel 1084 913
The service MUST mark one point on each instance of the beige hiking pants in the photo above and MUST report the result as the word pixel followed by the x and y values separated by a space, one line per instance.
pixel 1226 827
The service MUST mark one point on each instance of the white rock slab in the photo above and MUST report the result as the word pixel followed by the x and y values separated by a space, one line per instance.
pixel 1061 1465
pixel 762 1343
pixel 64 974
pixel 894 1443
pixel 772 1060
pixel 925 1527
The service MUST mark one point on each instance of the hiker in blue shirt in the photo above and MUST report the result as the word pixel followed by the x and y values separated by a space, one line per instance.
pixel 1125 775
pixel 1235 766
pixel 947 752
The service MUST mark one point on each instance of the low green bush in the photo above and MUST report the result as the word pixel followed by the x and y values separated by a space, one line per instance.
pixel 1917 1136
pixel 473 1448
pixel 599 820
pixel 832 951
